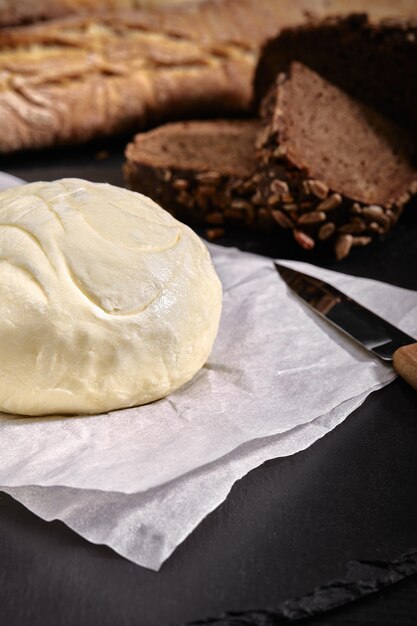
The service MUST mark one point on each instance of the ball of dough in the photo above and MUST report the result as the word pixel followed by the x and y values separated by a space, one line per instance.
pixel 106 301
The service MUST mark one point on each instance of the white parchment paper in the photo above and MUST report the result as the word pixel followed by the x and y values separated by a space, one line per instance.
pixel 279 378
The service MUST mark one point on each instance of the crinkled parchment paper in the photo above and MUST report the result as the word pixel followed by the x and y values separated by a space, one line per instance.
pixel 279 378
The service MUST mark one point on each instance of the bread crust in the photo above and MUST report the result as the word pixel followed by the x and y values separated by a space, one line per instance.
pixel 77 78
pixel 14 12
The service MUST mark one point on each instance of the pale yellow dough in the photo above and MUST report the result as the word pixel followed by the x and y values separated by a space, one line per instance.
pixel 106 301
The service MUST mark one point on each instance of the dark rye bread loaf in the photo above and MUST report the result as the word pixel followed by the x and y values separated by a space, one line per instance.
pixel 327 167
pixel 374 62
pixel 349 170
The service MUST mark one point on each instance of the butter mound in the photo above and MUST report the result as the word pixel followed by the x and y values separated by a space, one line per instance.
pixel 106 301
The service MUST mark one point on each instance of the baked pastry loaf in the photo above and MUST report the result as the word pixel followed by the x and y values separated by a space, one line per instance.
pixel 376 63
pixel 23 11
pixel 74 79
pixel 329 168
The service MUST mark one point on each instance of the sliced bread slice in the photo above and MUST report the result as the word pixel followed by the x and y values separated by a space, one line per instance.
pixel 190 168
pixel 326 166
pixel 349 170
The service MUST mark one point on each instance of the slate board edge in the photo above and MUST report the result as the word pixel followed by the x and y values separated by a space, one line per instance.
pixel 363 578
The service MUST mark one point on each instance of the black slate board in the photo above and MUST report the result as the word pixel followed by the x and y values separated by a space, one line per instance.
pixel 296 536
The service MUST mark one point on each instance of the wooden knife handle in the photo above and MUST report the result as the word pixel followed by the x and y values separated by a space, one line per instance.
pixel 405 363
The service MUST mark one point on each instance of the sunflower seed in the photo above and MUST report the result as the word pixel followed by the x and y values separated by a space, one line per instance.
pixel 287 198
pixel 342 246
pixel 248 186
pixel 355 227
pixel 326 231
pixel 281 219
pixel 318 189
pixel 274 199
pixel 356 209
pixel 208 178
pixel 332 202
pixel 166 175
pixel 304 240
pixel 180 184
pixel 361 241
pixel 240 205
pixel 306 188
pixel 373 211
pixel 376 214
pixel 315 217
pixel 279 187
pixel 375 228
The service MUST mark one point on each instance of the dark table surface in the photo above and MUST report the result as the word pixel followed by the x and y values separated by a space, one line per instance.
pixel 296 537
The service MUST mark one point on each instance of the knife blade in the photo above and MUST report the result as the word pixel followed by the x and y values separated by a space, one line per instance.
pixel 373 332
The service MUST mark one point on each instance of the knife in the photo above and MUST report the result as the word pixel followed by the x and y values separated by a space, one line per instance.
pixel 368 329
